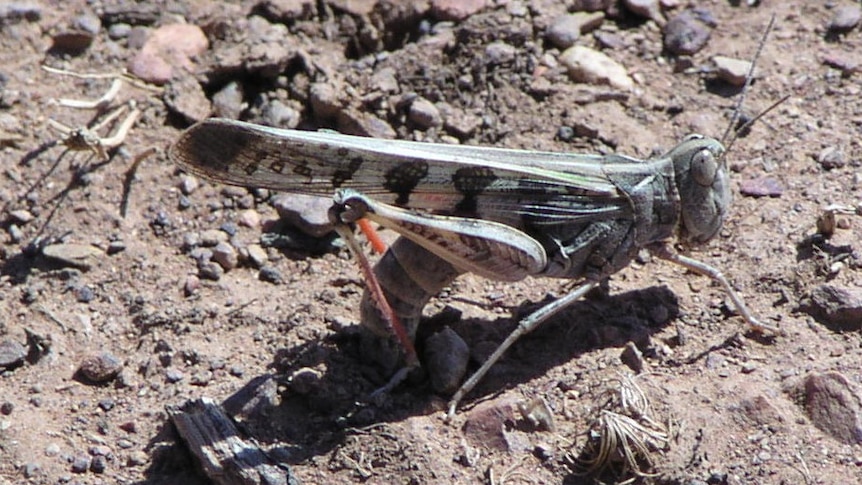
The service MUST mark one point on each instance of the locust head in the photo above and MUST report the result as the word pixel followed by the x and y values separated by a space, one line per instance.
pixel 703 185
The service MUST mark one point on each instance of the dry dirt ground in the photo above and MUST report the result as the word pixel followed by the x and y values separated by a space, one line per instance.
pixel 278 346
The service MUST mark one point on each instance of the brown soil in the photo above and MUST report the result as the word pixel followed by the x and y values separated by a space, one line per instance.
pixel 730 394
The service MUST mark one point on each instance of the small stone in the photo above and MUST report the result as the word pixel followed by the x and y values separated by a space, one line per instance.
pixel 446 358
pixel 836 307
pixel 424 114
pixel 650 9
pixel 305 380
pixel 12 354
pixel 225 255
pixel 119 31
pixel 485 425
pixel 80 464
pixel 305 212
pixel 13 12
pixel 99 464
pixel 106 404
pixel 456 10
pixel 761 187
pixel 845 19
pixel 115 247
pixel 31 469
pixel 84 294
pixel 188 184
pixel 137 458
pixel 280 115
pixel 249 218
pixel 632 357
pixel 167 48
pixel 498 53
pixel 257 255
pixel 324 101
pixel 352 121
pixel 832 405
pixel 53 449
pixel 270 275
pixel 590 66
pixel 173 375
pixel 384 80
pixel 566 29
pixel 184 96
pixel 100 367
pixel 202 378
pixel 228 101
pixel 191 286
pixel 6 408
pixel 732 71
pixel 831 157
pixel 81 256
pixel 21 216
pixel 212 237
pixel 685 34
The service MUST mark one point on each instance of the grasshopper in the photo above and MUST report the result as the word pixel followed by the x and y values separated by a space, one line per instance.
pixel 499 213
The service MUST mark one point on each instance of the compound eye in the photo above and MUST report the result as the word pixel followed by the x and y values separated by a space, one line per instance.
pixel 704 167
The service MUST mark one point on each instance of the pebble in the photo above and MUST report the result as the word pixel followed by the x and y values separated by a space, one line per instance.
pixel 12 354
pixel 11 12
pixel 650 9
pixel 845 19
pixel 456 10
pixel 497 53
pixel 424 114
pixel 119 31
pixel 305 380
pixel 831 157
pixel 632 357
pixel 137 458
pixel 594 67
pixel 80 464
pixel 257 255
pixel 168 48
pixel 225 255
pixel 99 464
pixel 761 187
pixel 384 80
pixel 446 358
pixel 352 121
pixel 184 96
pixel 53 449
pixel 732 71
pixel 305 212
pixel 249 218
pixel 212 237
pixel 833 405
pixel 115 247
pixel 78 37
pixel 324 101
pixel 31 469
pixel 6 408
pixel 209 270
pixel 485 425
pixel 172 375
pixel 685 34
pixel 202 378
pixel 100 367
pixel 188 184
pixel 228 101
pixel 566 29
pixel 835 306
pixel 21 216
pixel 278 114
pixel 80 256
pixel 270 275
pixel 16 235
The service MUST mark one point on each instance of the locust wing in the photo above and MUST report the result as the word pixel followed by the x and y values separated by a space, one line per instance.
pixel 495 184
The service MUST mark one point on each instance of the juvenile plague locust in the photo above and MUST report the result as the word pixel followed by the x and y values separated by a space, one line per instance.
pixel 499 213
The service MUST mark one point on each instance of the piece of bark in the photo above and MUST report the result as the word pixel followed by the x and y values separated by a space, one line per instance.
pixel 224 455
